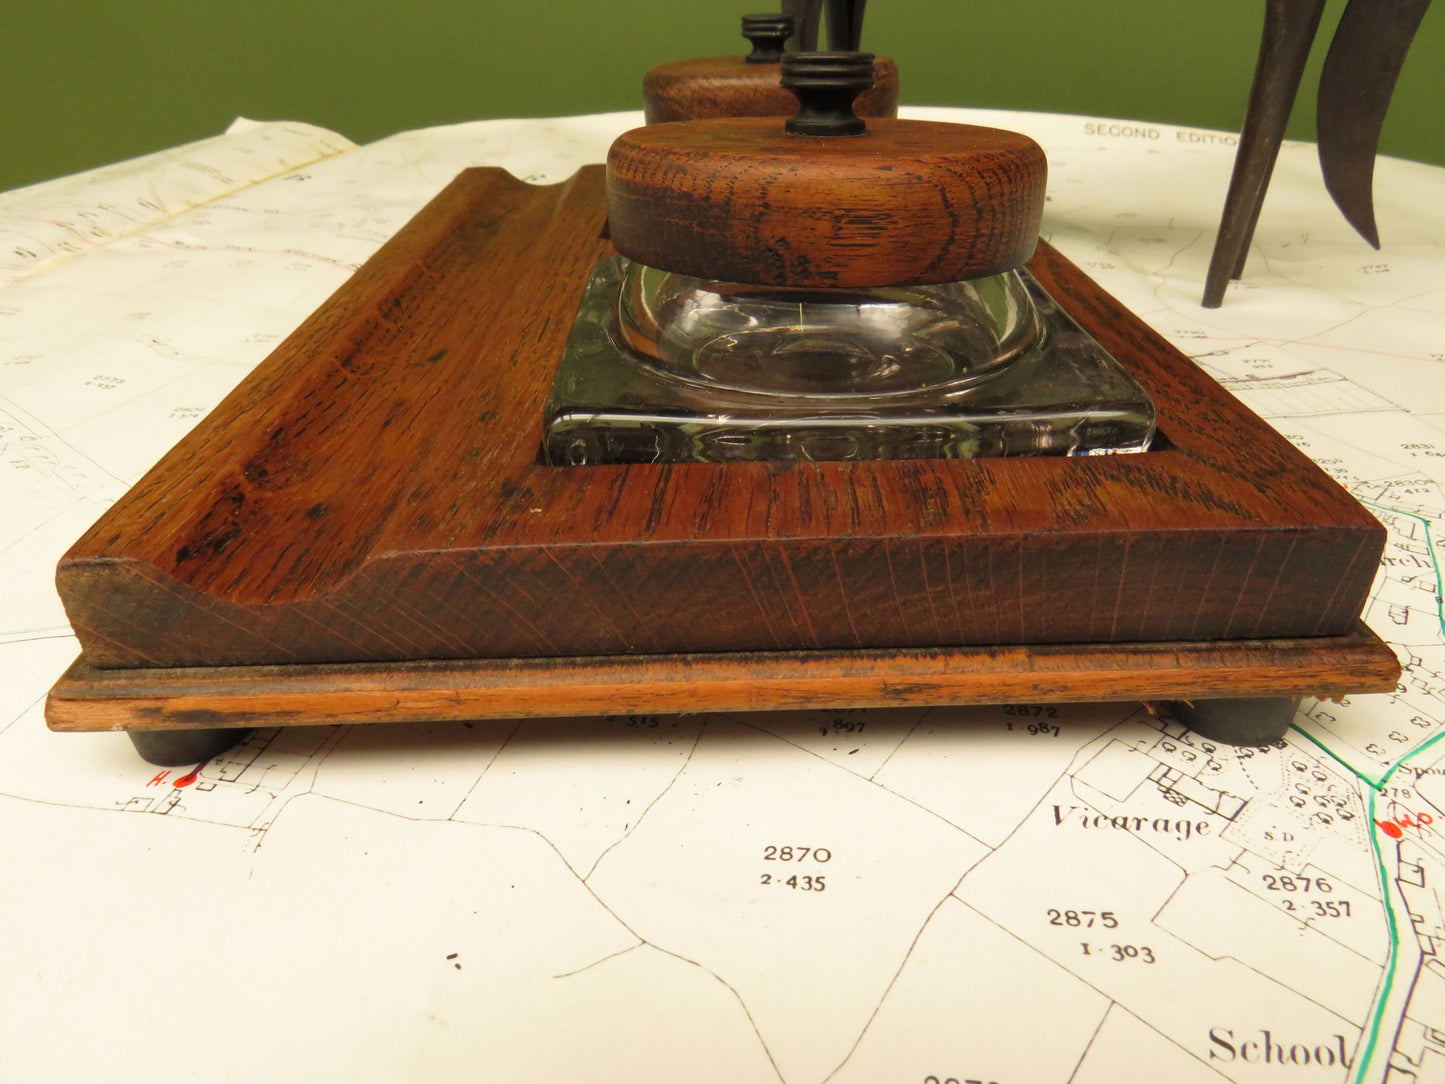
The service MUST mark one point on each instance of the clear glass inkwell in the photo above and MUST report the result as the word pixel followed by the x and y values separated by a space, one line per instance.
pixel 908 332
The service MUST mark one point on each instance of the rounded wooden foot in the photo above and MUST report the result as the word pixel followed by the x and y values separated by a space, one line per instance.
pixel 170 748
pixel 1249 720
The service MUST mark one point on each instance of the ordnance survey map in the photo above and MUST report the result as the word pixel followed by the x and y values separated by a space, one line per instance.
pixel 1020 893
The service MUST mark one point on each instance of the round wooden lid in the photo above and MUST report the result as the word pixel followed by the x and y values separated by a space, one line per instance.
pixel 750 86
pixel 757 200
pixel 729 86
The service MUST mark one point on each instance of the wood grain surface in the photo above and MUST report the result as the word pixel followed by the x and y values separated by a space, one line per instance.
pixel 304 695
pixel 372 492
pixel 727 86
pixel 907 202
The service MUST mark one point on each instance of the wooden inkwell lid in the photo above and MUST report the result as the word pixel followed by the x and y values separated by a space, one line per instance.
pixel 748 86
pixel 823 199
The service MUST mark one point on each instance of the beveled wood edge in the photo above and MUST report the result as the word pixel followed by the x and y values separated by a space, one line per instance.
pixel 87 699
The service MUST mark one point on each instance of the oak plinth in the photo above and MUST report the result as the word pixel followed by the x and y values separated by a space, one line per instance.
pixel 371 496
pixel 372 491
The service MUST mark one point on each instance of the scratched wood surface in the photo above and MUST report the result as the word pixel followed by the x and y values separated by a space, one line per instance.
pixel 303 695
pixel 907 202
pixel 372 492
pixel 728 86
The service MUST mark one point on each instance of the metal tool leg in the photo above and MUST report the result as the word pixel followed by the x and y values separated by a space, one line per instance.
pixel 806 14
pixel 1356 83
pixel 1289 31
pixel 845 24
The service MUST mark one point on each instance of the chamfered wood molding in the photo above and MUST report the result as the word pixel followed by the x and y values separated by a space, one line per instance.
pixel 303 695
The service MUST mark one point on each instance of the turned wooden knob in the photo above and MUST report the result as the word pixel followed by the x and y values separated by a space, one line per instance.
pixel 768 34
pixel 826 85
pixel 901 203
pixel 737 86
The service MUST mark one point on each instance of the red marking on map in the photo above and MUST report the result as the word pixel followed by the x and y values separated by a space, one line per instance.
pixel 1395 829
pixel 190 777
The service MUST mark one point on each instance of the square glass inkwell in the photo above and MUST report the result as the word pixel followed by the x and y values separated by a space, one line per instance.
pixel 668 368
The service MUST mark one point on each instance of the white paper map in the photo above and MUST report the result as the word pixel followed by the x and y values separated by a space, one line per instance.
pixel 1012 894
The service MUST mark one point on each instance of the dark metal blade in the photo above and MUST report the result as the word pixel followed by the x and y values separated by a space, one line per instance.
pixel 845 24
pixel 1359 76
pixel 806 14
pixel 1289 31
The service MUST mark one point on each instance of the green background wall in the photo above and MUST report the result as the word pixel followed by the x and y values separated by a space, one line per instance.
pixel 84 82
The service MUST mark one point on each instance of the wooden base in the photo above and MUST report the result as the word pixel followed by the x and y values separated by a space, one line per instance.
pixel 307 695
pixel 372 494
